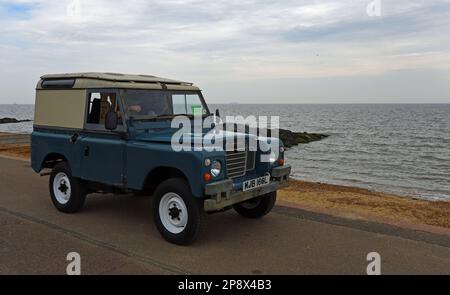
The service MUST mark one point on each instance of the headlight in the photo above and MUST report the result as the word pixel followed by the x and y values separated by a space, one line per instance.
pixel 216 168
pixel 273 157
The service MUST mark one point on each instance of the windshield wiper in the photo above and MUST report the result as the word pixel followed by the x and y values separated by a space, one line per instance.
pixel 193 116
pixel 162 116
pixel 168 116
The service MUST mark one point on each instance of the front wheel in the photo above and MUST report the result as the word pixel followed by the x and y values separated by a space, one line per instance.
pixel 257 207
pixel 178 215
pixel 67 192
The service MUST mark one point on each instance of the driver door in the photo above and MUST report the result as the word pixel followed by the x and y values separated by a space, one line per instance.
pixel 102 152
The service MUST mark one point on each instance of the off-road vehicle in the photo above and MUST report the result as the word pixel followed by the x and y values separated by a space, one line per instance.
pixel 112 133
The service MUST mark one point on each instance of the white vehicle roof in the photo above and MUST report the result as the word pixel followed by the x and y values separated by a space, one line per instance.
pixel 111 80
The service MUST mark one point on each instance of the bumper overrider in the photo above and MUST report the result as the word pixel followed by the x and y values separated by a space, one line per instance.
pixel 221 195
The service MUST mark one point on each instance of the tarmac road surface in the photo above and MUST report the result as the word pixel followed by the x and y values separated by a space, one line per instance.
pixel 116 235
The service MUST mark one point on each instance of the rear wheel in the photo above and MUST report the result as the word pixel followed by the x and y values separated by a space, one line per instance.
pixel 178 215
pixel 67 192
pixel 257 207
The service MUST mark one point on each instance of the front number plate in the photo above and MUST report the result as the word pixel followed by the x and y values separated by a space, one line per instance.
pixel 255 183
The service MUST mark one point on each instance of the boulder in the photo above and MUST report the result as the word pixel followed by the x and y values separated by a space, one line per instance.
pixel 291 138
pixel 11 120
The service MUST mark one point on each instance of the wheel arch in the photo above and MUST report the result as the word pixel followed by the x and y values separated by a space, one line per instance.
pixel 51 159
pixel 159 174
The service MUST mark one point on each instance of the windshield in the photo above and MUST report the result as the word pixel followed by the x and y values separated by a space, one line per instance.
pixel 151 104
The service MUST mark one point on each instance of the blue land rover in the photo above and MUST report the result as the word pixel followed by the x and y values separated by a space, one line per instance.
pixel 113 133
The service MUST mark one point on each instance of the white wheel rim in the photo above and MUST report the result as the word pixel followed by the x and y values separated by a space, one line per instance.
pixel 173 213
pixel 61 188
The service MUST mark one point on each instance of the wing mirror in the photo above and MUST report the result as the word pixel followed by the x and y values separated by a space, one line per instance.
pixel 111 121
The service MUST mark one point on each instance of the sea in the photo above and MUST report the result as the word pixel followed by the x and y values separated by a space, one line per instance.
pixel 402 149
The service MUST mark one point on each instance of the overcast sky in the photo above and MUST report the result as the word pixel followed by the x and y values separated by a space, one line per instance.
pixel 236 50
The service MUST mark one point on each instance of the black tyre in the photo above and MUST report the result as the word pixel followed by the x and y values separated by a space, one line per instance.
pixel 67 192
pixel 257 207
pixel 178 215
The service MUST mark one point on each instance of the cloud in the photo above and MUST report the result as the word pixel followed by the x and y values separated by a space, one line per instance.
pixel 231 41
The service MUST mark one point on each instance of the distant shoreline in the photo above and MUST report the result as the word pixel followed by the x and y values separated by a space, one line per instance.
pixel 290 103
pixel 288 137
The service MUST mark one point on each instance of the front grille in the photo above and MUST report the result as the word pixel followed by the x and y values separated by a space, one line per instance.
pixel 239 162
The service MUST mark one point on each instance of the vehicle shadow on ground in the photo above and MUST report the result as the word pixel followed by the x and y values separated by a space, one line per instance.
pixel 136 210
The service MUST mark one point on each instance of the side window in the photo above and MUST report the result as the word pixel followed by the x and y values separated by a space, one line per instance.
pixel 100 103
pixel 179 104
pixel 189 104
pixel 194 105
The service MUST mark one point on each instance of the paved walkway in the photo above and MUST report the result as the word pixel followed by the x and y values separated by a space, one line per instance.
pixel 115 234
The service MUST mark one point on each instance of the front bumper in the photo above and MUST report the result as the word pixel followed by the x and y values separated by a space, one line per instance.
pixel 221 194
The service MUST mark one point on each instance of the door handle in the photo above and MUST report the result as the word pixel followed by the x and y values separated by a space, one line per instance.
pixel 73 139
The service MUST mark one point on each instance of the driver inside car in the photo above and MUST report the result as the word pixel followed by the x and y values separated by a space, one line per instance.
pixel 150 107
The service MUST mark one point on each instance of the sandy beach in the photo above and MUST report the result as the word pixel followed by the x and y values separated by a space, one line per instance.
pixel 350 202
pixel 15 151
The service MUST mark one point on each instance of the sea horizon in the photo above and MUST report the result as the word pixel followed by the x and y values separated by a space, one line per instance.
pixel 300 103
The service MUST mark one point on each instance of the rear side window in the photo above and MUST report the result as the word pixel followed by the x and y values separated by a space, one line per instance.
pixel 99 104
pixel 58 83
